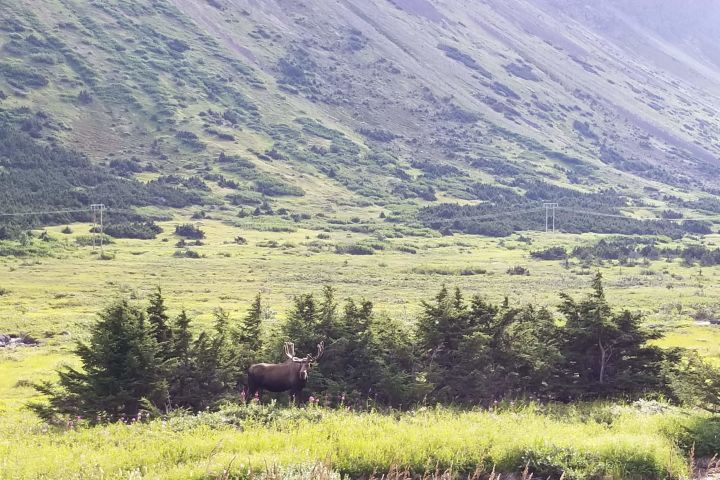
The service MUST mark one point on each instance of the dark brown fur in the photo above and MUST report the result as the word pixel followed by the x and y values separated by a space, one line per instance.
pixel 290 376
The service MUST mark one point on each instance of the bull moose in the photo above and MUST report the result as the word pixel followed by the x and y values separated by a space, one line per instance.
pixel 290 375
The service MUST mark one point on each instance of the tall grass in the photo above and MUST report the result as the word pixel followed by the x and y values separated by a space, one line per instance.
pixel 238 442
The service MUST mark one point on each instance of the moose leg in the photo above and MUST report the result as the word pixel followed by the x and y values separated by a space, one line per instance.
pixel 296 397
pixel 253 389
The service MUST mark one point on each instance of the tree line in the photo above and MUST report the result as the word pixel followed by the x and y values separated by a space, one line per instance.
pixel 43 177
pixel 624 249
pixel 491 217
pixel 459 351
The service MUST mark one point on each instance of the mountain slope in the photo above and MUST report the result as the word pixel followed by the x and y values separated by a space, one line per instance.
pixel 528 67
pixel 396 103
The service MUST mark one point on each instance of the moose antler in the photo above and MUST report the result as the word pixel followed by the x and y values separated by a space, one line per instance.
pixel 290 350
pixel 321 350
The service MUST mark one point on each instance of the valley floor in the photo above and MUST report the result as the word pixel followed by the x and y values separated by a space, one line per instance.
pixel 55 297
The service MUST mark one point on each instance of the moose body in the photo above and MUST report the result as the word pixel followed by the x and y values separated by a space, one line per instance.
pixel 290 375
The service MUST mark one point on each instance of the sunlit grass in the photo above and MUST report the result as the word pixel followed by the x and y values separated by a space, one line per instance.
pixel 633 443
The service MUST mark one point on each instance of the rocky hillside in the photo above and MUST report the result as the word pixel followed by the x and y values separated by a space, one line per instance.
pixel 403 104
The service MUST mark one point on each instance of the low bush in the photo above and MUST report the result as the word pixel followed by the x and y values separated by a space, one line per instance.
pixel 275 187
pixel 137 230
pixel 186 254
pixel 355 249
pixel 89 240
pixel 467 271
pixel 518 270
pixel 188 230
pixel 552 253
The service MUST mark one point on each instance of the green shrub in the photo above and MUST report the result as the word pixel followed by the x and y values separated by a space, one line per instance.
pixel 190 140
pixel 186 254
pixel 472 271
pixel 275 187
pixel 138 230
pixel 552 253
pixel 518 270
pixel 89 240
pixel 355 249
pixel 22 77
pixel 188 230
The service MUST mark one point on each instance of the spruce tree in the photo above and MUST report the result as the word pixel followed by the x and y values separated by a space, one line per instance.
pixel 222 323
pixel 249 331
pixel 607 353
pixel 158 319
pixel 534 353
pixel 208 372
pixel 184 389
pixel 327 314
pixel 360 358
pixel 121 368
pixel 441 329
pixel 348 365
pixel 395 356
pixel 442 326
pixel 219 356
pixel 301 326
pixel 203 368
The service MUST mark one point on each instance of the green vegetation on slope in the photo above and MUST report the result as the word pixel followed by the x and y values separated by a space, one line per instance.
pixel 254 115
pixel 37 178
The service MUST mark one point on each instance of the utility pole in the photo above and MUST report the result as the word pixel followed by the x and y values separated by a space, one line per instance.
pixel 550 207
pixel 98 209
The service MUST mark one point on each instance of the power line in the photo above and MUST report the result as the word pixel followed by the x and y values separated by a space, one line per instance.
pixel 97 207
pixel 48 212
pixel 612 215
pixel 488 216
pixel 548 208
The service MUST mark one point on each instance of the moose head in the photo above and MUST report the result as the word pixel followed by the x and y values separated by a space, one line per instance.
pixel 291 375
pixel 305 362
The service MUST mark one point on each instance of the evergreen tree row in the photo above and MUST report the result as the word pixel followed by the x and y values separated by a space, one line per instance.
pixel 504 212
pixel 459 351
pixel 35 177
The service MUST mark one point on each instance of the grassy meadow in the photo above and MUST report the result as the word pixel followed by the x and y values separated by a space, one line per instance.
pixel 55 296
pixel 237 442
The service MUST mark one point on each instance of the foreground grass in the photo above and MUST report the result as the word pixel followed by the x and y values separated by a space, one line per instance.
pixel 582 442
